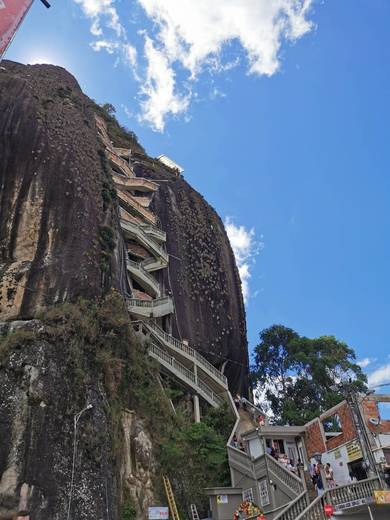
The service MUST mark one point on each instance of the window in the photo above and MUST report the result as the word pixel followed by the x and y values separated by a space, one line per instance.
pixel 247 494
pixel 291 453
pixel 332 426
pixel 264 495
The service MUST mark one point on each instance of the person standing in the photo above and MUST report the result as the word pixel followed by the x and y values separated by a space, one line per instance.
pixel 317 481
pixel 329 476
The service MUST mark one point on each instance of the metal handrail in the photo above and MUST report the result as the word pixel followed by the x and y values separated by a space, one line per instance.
pixel 351 491
pixel 131 226
pixel 285 475
pixel 151 261
pixel 138 265
pixel 119 162
pixel 130 182
pixel 170 340
pixel 294 508
pixel 196 382
pixel 136 302
pixel 334 496
pixel 154 229
pixel 131 201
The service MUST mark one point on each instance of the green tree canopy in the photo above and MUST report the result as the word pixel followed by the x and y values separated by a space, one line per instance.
pixel 195 458
pixel 299 374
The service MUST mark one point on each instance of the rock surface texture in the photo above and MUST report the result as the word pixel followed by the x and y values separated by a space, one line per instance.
pixel 60 240
pixel 202 277
pixel 50 191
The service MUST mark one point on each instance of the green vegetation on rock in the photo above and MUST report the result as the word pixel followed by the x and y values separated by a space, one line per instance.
pixel 121 136
pixel 195 457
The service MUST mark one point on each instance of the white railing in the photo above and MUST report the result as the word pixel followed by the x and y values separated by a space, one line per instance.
pixel 132 202
pixel 355 490
pixel 294 508
pixel 299 509
pixel 255 410
pixel 150 304
pixel 119 162
pixel 154 230
pixel 179 345
pixel 134 182
pixel 122 152
pixel 139 267
pixel 207 390
pixel 162 355
pixel 154 263
pixel 170 362
pixel 285 475
pixel 139 232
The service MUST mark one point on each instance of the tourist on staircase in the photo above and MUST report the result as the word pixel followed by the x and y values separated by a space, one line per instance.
pixel 329 476
pixel 317 481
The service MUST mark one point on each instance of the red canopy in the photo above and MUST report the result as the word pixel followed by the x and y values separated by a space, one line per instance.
pixel 12 13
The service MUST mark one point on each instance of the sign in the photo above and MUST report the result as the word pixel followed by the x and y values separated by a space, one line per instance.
pixel 12 13
pixel 354 503
pixel 222 499
pixel 382 497
pixel 337 454
pixel 158 513
pixel 354 451
pixel 328 510
pixel 264 495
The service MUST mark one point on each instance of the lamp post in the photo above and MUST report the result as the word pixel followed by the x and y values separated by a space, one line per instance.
pixel 76 419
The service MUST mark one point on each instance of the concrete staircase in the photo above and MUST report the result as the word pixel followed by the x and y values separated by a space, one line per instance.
pixel 143 237
pixel 143 277
pixel 150 308
pixel 301 509
pixel 188 377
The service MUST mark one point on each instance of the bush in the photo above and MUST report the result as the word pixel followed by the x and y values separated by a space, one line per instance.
pixel 129 512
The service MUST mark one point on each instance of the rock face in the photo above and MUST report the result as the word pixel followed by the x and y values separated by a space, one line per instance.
pixel 50 191
pixel 203 277
pixel 37 438
pixel 60 240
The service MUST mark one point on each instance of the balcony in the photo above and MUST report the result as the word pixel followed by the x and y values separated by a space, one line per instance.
pixel 150 309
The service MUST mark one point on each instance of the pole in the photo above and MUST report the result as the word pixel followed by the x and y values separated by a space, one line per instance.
pixel 361 432
pixel 370 512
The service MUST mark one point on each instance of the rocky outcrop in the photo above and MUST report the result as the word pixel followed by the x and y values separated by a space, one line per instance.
pixel 202 277
pixel 60 240
pixel 138 468
pixel 40 394
pixel 50 191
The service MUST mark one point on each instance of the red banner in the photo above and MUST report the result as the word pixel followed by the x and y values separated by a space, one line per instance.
pixel 11 14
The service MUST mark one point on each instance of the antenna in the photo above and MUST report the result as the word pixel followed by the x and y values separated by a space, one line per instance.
pixel 46 3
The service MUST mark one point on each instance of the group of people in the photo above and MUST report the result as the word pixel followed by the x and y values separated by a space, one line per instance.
pixel 237 443
pixel 244 404
pixel 317 478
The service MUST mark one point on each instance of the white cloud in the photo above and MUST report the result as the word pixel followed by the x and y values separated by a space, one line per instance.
pixel 363 363
pixel 245 248
pixel 102 9
pixel 130 54
pixel 189 37
pixel 379 376
pixel 108 46
pixel 158 89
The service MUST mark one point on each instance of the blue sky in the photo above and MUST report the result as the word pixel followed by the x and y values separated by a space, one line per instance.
pixel 283 129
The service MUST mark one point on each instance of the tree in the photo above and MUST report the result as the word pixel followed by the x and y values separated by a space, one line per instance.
pixel 195 458
pixel 109 109
pixel 299 374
